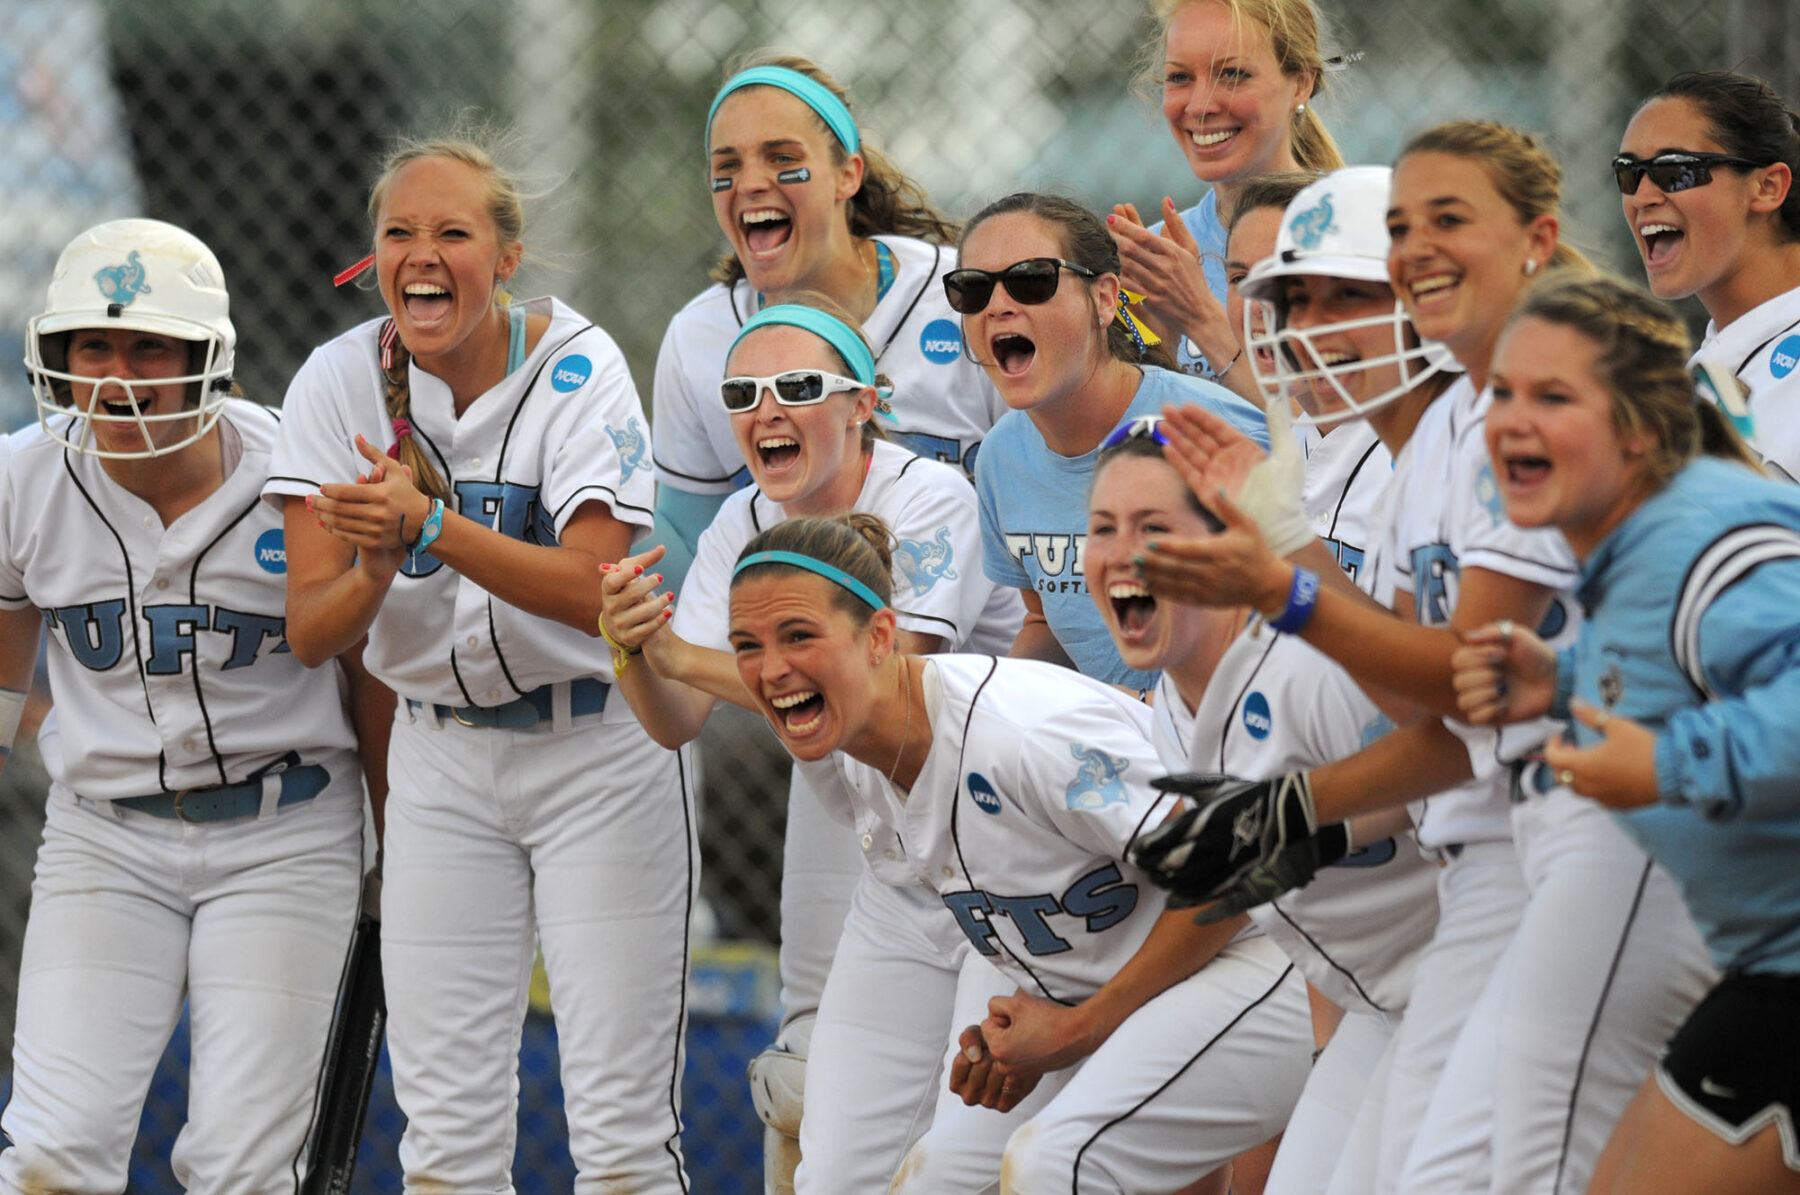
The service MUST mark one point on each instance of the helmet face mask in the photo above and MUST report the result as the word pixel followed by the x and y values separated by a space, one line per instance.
pixel 1335 228
pixel 143 276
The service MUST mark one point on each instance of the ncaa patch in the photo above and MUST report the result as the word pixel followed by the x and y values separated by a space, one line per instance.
pixel 271 551
pixel 1257 718
pixel 983 794
pixel 1785 357
pixel 941 341
pixel 571 373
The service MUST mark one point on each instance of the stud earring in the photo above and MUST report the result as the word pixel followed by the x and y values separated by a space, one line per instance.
pixel 1531 267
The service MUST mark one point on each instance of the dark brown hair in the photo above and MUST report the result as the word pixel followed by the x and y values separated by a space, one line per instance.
pixel 857 544
pixel 1748 119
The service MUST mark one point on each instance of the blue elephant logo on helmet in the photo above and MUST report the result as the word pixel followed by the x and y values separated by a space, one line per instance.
pixel 1096 784
pixel 123 283
pixel 925 562
pixel 1310 226
pixel 634 449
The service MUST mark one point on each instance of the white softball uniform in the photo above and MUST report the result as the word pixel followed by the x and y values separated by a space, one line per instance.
pixel 1346 472
pixel 1276 705
pixel 939 589
pixel 1035 785
pixel 521 796
pixel 1603 967
pixel 1762 347
pixel 174 692
pixel 942 403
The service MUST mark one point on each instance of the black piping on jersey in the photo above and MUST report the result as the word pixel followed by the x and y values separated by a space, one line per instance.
pixel 1231 715
pixel 1350 484
pixel 956 838
pixel 194 599
pixel 131 608
pixel 1587 1043
pixel 612 499
pixel 1080 1154
pixel 1326 955
pixel 1757 351
pixel 937 257
pixel 1725 556
pixel 672 1143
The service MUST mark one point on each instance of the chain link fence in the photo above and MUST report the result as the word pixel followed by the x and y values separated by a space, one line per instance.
pixel 257 124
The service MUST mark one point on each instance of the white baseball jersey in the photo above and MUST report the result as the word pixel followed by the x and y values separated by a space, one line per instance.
pixel 563 429
pixel 1275 704
pixel 943 404
pixel 1762 347
pixel 1447 516
pixel 1345 474
pixel 1037 781
pixel 168 651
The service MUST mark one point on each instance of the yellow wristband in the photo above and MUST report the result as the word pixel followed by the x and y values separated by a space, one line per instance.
pixel 620 653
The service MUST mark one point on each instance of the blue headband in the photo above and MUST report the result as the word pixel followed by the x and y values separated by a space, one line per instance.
pixel 833 331
pixel 829 572
pixel 813 93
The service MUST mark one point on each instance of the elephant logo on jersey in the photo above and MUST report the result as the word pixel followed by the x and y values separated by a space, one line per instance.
pixel 123 283
pixel 1311 225
pixel 634 449
pixel 1612 685
pixel 925 562
pixel 1487 492
pixel 983 794
pixel 1096 784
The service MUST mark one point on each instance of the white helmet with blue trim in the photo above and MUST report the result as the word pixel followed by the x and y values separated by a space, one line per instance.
pixel 142 276
pixel 1337 228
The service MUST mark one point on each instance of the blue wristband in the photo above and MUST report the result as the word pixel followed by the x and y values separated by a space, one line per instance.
pixel 1303 597
pixel 432 527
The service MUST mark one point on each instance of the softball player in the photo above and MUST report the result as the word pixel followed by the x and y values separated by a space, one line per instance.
pixel 1680 693
pixel 1071 367
pixel 524 797
pixel 807 435
pixel 807 205
pixel 203 842
pixel 985 808
pixel 1236 79
pixel 1247 701
pixel 1720 219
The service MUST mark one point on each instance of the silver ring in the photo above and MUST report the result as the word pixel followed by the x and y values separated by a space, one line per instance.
pixel 1506 630
pixel 1566 778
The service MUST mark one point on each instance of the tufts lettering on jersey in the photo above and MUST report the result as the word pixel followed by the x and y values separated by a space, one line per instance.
pixel 1313 225
pixel 123 283
pixel 271 551
pixel 982 793
pixel 1097 782
pixel 1487 492
pixel 925 562
pixel 1785 357
pixel 1259 720
pixel 513 510
pixel 570 373
pixel 633 446
pixel 1373 855
pixel 1057 555
pixel 941 449
pixel 1349 558
pixel 95 634
pixel 1100 899
pixel 941 341
pixel 1435 574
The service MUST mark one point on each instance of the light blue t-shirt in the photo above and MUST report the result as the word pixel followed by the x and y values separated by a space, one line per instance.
pixel 1034 515
pixel 1692 630
pixel 1208 230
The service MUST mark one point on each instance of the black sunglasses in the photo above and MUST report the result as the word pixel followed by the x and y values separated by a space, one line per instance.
pixel 795 388
pixel 1031 282
pixel 1677 170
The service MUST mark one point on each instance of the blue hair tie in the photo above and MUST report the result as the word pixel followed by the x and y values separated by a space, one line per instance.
pixel 829 571
pixel 832 330
pixel 813 93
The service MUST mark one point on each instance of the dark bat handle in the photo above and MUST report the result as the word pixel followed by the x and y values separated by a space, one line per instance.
pixel 355 1047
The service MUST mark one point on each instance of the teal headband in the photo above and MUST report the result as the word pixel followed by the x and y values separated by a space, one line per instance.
pixel 813 93
pixel 832 330
pixel 828 571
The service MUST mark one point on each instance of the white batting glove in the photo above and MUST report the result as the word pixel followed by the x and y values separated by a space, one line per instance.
pixel 1273 492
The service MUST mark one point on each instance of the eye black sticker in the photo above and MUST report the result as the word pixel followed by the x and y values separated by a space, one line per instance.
pixel 794 176
pixel 721 184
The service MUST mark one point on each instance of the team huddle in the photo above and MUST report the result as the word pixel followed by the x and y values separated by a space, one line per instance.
pixel 1287 698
